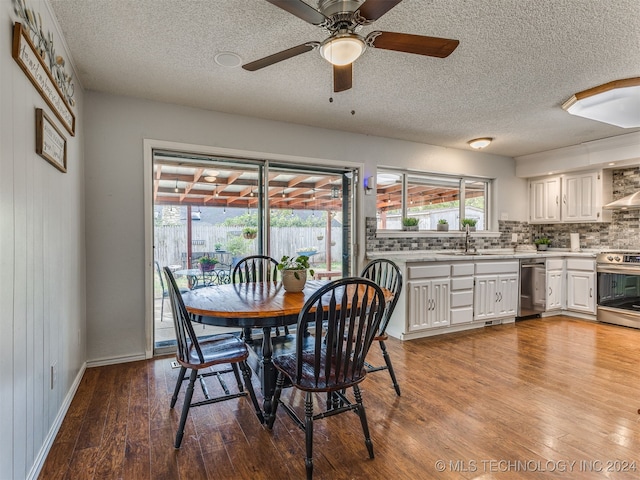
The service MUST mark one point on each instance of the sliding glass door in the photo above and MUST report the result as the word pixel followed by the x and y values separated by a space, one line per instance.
pixel 209 212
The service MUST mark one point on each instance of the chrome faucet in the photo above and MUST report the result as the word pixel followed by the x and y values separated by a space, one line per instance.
pixel 467 238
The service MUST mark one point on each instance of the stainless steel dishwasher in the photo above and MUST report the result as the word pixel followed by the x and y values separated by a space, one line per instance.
pixel 533 287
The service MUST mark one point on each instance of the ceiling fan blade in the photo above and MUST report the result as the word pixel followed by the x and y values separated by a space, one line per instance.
pixel 342 77
pixel 300 10
pixel 421 45
pixel 374 9
pixel 280 56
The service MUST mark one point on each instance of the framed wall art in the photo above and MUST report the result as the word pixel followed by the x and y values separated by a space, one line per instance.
pixel 32 64
pixel 50 143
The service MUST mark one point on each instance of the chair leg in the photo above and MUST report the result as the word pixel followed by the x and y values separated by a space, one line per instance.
pixel 246 373
pixel 176 391
pixel 162 310
pixel 234 367
pixel 308 430
pixel 387 360
pixel 275 401
pixel 185 408
pixel 363 420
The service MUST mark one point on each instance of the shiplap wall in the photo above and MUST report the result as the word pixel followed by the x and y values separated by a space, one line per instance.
pixel 42 279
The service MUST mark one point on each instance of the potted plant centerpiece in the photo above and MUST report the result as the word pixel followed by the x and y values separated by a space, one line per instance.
pixel 471 222
pixel 443 225
pixel 207 263
pixel 542 243
pixel 294 272
pixel 249 233
pixel 410 223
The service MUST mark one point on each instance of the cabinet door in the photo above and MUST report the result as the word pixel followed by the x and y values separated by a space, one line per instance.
pixel 507 296
pixel 440 304
pixel 544 201
pixel 580 291
pixel 554 290
pixel 579 197
pixel 485 296
pixel 418 298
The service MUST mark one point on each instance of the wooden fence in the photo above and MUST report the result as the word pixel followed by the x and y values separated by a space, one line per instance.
pixel 171 242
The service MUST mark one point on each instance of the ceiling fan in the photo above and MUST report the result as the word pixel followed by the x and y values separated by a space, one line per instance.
pixel 342 19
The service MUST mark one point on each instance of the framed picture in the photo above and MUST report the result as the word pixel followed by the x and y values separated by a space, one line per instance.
pixel 50 143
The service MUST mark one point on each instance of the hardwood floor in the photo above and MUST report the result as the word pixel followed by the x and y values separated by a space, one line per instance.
pixel 544 398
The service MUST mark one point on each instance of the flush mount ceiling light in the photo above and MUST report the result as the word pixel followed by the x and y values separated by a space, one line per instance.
pixel 342 49
pixel 480 143
pixel 210 176
pixel 616 103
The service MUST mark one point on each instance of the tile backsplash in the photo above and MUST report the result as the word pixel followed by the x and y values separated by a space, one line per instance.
pixel 622 233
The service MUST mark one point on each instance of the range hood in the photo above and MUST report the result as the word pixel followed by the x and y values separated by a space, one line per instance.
pixel 630 202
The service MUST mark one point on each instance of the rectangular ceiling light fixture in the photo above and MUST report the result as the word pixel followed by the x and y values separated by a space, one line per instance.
pixel 616 103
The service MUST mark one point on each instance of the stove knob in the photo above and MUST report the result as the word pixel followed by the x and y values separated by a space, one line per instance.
pixel 610 258
pixel 617 258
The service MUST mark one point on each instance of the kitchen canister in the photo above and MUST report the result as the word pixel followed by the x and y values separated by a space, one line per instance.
pixel 575 242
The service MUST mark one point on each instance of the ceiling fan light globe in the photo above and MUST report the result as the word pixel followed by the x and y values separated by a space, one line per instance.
pixel 342 50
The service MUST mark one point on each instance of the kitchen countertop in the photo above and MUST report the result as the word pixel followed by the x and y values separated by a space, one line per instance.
pixel 456 255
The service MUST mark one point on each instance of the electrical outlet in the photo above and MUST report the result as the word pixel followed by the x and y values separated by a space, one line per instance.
pixel 514 238
pixel 54 375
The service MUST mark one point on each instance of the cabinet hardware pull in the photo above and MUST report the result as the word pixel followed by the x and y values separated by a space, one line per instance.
pixel 550 291
pixel 591 293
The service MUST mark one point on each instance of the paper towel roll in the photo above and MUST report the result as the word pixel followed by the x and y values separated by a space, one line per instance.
pixel 575 242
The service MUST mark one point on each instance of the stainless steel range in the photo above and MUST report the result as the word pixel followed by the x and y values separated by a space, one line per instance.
pixel 619 288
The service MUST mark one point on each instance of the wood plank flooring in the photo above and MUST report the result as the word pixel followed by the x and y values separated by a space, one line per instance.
pixel 543 398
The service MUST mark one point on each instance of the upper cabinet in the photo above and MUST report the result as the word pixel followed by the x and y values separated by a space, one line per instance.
pixel 572 197
pixel 544 200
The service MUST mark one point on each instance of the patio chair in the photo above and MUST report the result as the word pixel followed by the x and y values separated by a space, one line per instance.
pixel 165 292
pixel 345 316
pixel 386 274
pixel 195 355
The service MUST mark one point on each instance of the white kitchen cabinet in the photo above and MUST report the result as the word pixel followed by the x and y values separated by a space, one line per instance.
pixel 581 285
pixel 461 293
pixel 573 197
pixel 555 284
pixel 428 304
pixel 495 290
pixel 544 200
pixel 428 299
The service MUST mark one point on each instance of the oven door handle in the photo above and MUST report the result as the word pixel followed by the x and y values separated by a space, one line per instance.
pixel 618 269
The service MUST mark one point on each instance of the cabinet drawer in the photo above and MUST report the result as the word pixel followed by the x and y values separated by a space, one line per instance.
pixel 461 315
pixel 429 271
pixel 586 264
pixel 463 283
pixel 496 267
pixel 461 299
pixel 555 263
pixel 461 269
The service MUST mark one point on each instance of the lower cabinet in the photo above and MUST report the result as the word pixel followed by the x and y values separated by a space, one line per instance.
pixel 555 284
pixel 580 292
pixel 428 304
pixel 495 297
pixel 495 291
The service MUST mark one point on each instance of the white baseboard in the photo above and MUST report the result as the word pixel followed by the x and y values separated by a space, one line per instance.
pixel 115 360
pixel 53 431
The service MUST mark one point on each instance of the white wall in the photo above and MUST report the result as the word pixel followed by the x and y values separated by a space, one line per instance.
pixel 115 130
pixel 42 287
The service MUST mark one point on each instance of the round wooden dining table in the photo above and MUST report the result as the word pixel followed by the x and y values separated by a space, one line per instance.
pixel 262 305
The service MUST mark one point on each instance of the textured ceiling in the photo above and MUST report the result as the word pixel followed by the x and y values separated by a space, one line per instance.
pixel 517 62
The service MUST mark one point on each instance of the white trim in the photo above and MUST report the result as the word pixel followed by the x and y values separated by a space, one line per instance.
pixel 434 234
pixel 101 362
pixel 55 426
pixel 151 144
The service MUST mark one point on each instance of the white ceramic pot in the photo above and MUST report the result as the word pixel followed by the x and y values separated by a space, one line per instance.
pixel 442 227
pixel 292 284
